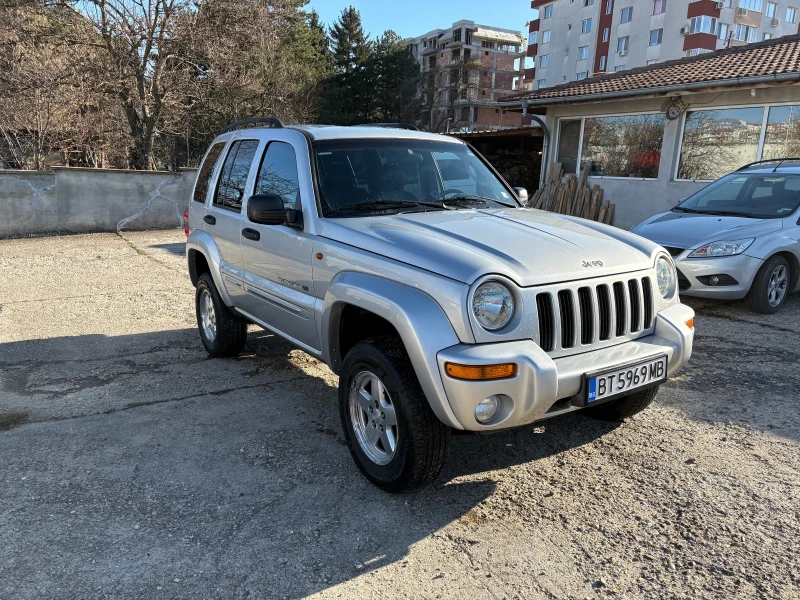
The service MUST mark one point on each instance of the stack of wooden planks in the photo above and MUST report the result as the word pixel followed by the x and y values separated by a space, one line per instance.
pixel 572 196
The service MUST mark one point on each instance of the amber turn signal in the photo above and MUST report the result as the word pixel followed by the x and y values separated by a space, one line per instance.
pixel 690 323
pixel 480 372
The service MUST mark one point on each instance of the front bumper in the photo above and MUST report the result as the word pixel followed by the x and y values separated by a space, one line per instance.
pixel 742 268
pixel 544 386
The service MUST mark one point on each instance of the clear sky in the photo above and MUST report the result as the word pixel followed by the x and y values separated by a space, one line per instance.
pixel 411 18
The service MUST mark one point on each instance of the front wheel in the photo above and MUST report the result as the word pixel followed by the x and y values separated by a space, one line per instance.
pixel 770 287
pixel 394 437
pixel 622 408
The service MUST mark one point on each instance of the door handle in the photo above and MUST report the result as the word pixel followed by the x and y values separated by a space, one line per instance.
pixel 210 220
pixel 251 234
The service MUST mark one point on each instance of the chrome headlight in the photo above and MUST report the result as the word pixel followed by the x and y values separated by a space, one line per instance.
pixel 492 305
pixel 666 277
pixel 722 248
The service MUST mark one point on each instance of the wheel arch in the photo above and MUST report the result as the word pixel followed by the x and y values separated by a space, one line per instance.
pixel 387 306
pixel 202 256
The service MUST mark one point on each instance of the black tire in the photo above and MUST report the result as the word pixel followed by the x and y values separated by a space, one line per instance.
pixel 423 441
pixel 758 296
pixel 231 329
pixel 624 407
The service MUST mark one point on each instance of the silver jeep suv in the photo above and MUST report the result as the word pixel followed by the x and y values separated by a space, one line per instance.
pixel 405 262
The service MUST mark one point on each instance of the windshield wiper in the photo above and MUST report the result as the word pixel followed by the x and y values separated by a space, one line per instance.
pixel 378 204
pixel 689 210
pixel 719 213
pixel 477 199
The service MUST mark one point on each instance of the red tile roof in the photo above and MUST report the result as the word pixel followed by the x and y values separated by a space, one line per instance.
pixel 728 67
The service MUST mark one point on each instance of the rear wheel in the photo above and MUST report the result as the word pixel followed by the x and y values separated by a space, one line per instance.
pixel 770 287
pixel 394 437
pixel 624 407
pixel 222 332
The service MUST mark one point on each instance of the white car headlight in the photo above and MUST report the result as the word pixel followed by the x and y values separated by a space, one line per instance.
pixel 492 305
pixel 722 248
pixel 666 277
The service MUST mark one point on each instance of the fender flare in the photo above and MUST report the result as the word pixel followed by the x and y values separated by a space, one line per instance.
pixel 203 243
pixel 419 320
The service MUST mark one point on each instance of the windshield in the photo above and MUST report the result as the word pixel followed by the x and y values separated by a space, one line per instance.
pixel 762 196
pixel 361 177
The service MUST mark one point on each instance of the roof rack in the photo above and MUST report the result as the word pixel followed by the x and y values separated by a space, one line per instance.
pixel 390 125
pixel 780 161
pixel 274 122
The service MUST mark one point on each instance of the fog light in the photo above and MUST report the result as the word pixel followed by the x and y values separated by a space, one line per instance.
pixel 487 409
pixel 714 280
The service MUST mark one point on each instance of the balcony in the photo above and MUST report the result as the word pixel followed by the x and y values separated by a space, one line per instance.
pixel 703 8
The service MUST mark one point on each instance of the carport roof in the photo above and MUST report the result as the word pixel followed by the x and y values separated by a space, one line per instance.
pixel 770 61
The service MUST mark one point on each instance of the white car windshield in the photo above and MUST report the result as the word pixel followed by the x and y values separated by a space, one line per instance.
pixel 359 177
pixel 762 196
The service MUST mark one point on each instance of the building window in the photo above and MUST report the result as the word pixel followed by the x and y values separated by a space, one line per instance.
pixel 767 36
pixel 772 10
pixel 586 26
pixel 697 51
pixel 722 31
pixel 456 35
pixel 619 68
pixel 750 5
pixel 583 52
pixel 605 34
pixel 547 13
pixel 791 14
pixel 485 44
pixel 655 36
pixel 624 146
pixel 531 38
pixel 566 50
pixel 622 44
pixel 703 25
pixel 652 61
pixel 602 63
pixel 716 142
pixel 588 2
pixel 659 7
pixel 626 14
pixel 546 37
pixel 745 33
pixel 569 142
pixel 609 6
pixel 582 75
pixel 543 61
pixel 540 84
pixel 782 138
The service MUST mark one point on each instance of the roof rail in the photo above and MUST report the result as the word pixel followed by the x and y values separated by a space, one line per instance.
pixel 274 122
pixel 780 161
pixel 390 125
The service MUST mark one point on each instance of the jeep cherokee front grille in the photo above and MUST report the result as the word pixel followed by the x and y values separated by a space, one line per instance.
pixel 586 315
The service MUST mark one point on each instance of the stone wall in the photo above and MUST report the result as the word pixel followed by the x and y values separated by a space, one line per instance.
pixel 70 200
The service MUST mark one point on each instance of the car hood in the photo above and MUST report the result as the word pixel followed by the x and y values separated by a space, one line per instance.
pixel 691 230
pixel 531 247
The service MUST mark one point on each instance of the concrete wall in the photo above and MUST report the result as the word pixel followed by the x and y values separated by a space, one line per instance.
pixel 637 199
pixel 69 200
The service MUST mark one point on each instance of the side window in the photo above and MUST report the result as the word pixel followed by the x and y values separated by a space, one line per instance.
pixel 230 191
pixel 206 171
pixel 277 175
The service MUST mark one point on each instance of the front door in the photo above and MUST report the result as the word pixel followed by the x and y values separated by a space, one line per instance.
pixel 223 219
pixel 280 289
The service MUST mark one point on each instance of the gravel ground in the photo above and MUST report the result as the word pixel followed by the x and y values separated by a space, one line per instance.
pixel 135 467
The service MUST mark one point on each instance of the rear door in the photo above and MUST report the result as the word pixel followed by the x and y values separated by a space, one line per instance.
pixel 223 218
pixel 280 289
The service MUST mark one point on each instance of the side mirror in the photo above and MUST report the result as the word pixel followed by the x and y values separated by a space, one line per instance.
pixel 522 194
pixel 268 209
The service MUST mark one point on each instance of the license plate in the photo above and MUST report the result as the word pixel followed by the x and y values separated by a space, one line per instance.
pixel 620 380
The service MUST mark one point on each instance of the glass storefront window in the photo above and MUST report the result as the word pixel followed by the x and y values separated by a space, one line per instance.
pixel 716 142
pixel 628 146
pixel 782 139
pixel 569 139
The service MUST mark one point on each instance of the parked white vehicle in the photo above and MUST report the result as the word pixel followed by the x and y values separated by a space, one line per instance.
pixel 440 301
pixel 737 238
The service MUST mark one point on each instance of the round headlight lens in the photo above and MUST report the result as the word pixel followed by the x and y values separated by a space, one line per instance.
pixel 492 305
pixel 667 279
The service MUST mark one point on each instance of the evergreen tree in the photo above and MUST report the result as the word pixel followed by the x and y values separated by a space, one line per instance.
pixel 350 45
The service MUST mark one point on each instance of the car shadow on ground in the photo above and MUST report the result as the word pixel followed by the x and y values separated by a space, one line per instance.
pixel 178 248
pixel 135 463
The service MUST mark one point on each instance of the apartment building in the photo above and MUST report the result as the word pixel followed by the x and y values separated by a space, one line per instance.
pixel 575 39
pixel 467 68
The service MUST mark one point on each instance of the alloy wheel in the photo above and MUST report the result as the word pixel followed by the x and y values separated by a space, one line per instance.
pixel 208 317
pixel 778 285
pixel 373 418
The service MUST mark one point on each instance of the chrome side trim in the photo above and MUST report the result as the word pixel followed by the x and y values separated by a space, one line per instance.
pixel 276 331
pixel 275 301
